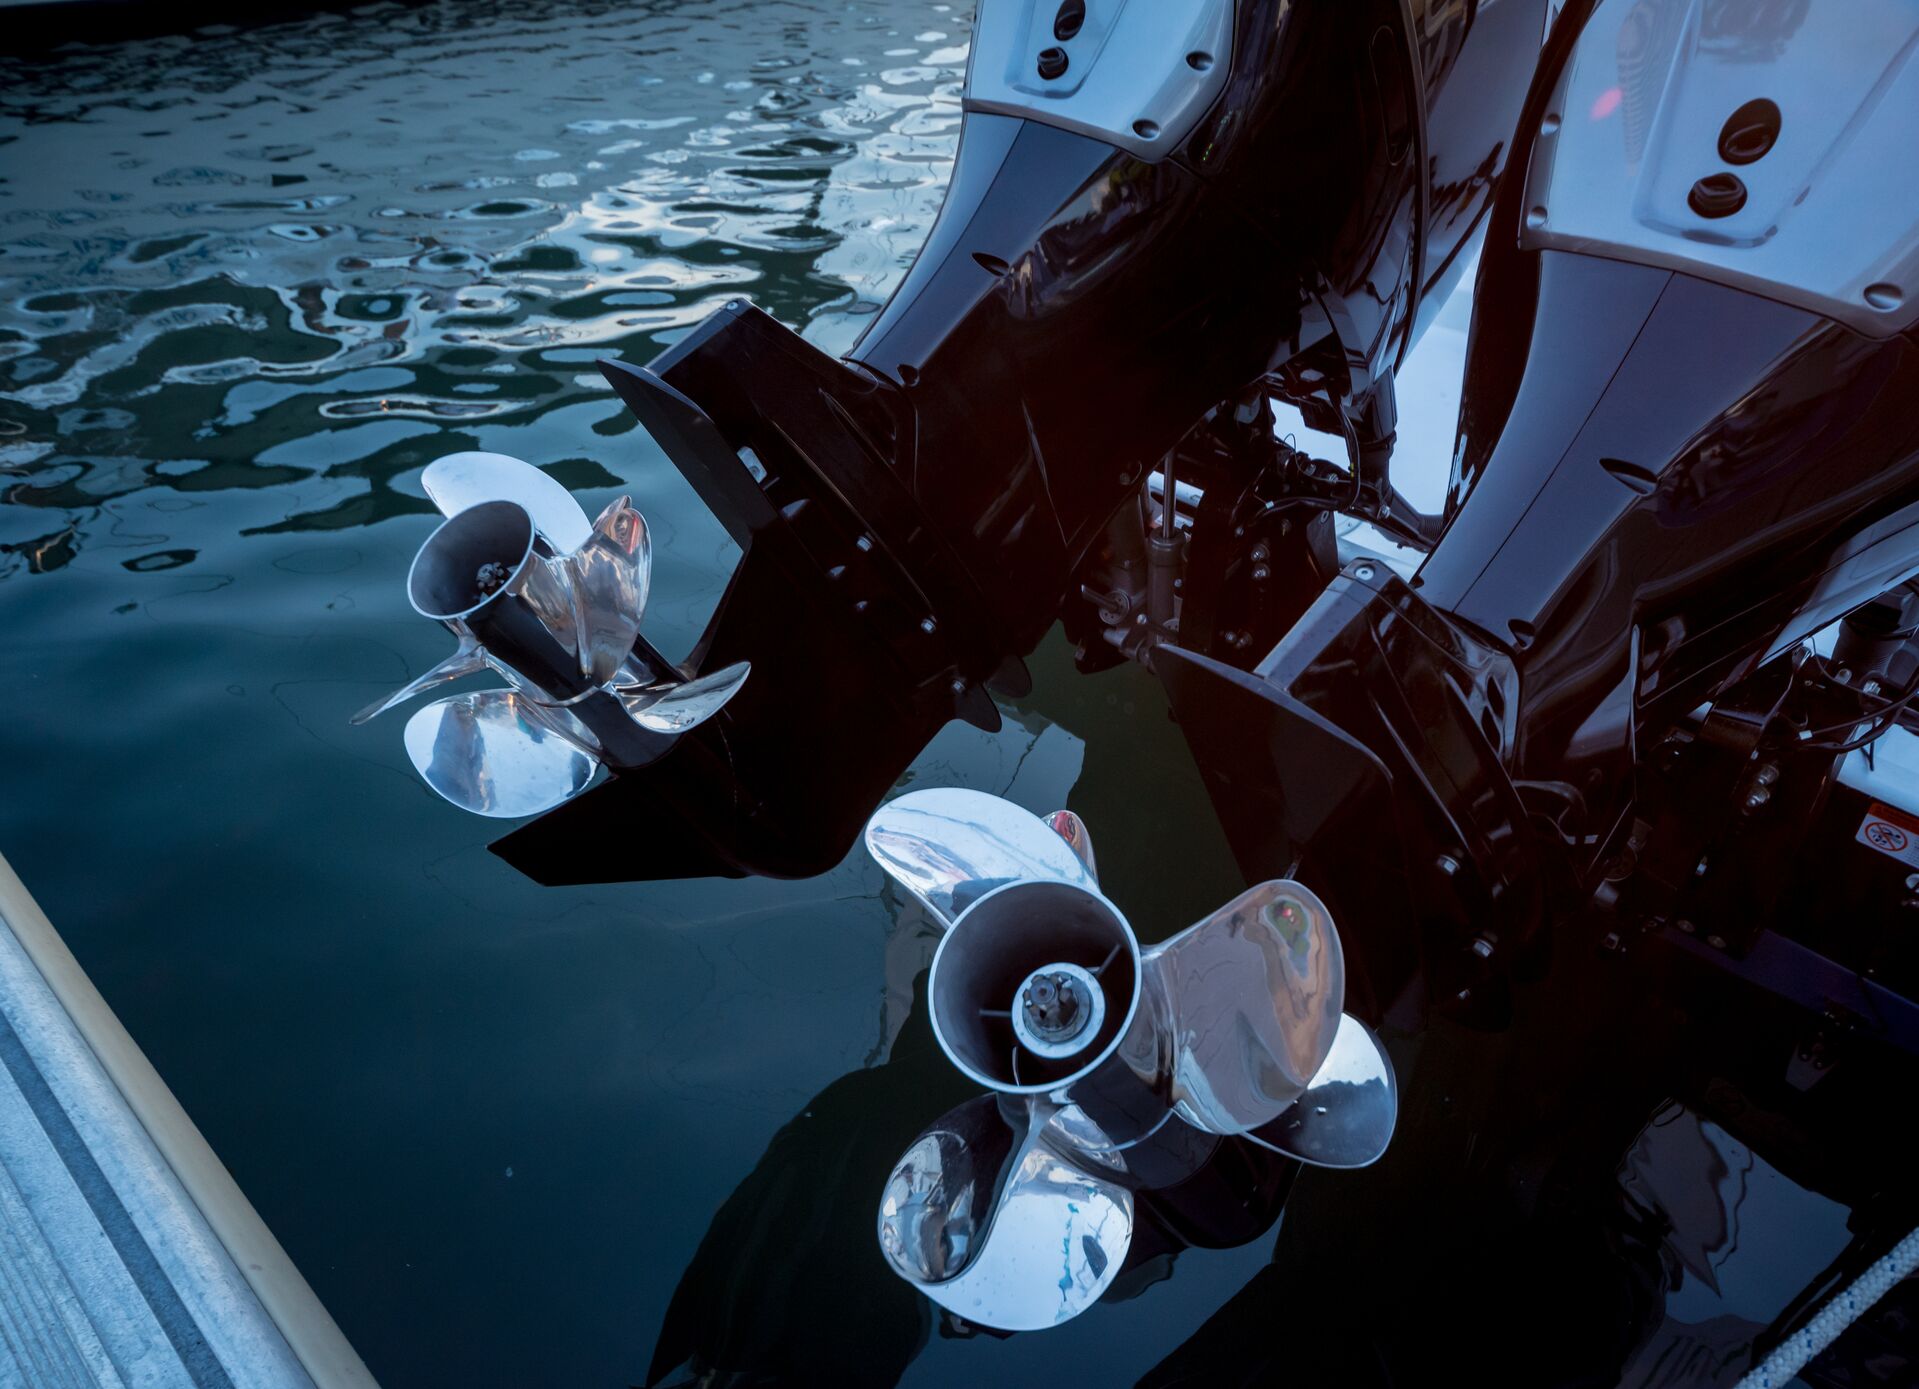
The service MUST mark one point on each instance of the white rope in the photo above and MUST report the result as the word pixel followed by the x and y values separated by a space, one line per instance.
pixel 1792 1356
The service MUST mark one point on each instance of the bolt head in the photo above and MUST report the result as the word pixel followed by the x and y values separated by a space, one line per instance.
pixel 1362 571
pixel 1053 1004
pixel 492 576
pixel 1716 942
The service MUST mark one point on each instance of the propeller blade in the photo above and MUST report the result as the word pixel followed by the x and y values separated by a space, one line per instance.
pixel 1347 1115
pixel 1048 1247
pixel 1079 839
pixel 1252 995
pixel 674 708
pixel 497 753
pixel 591 600
pixel 949 843
pixel 936 1205
pixel 467 658
pixel 461 480
pixel 608 578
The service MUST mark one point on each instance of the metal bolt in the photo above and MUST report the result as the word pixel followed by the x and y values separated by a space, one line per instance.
pixel 1699 869
pixel 1760 795
pixel 928 626
pixel 1261 573
pixel 1260 553
pixel 959 686
pixel 1446 864
pixel 1053 1006
pixel 1685 925
pixel 492 576
pixel 1767 774
pixel 865 542
pixel 1716 942
pixel 1483 948
pixel 1362 571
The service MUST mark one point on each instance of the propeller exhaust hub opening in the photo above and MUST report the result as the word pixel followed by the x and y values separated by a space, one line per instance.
pixel 470 560
pixel 1060 1009
pixel 1060 943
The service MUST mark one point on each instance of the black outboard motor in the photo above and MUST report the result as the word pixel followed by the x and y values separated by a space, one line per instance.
pixel 1160 210
pixel 1689 440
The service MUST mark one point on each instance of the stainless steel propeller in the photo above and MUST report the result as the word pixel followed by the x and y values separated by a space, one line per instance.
pixel 532 589
pixel 1111 1068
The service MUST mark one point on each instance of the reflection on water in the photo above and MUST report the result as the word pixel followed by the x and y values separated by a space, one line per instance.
pixel 251 283
pixel 283 258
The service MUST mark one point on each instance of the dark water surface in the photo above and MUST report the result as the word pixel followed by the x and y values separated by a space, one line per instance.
pixel 250 284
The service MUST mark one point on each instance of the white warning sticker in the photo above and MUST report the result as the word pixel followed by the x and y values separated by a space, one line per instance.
pixel 1892 832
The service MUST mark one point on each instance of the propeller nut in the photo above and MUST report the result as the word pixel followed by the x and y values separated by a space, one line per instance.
pixel 1058 1011
pixel 491 577
pixel 1054 1009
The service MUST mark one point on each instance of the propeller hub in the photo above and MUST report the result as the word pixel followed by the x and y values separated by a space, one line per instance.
pixel 1058 1010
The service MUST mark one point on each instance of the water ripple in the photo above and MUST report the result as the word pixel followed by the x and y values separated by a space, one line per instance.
pixel 202 238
